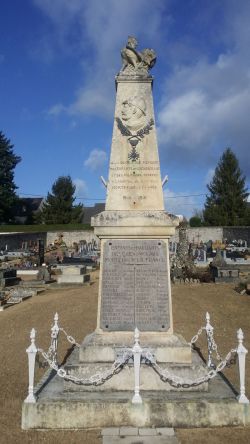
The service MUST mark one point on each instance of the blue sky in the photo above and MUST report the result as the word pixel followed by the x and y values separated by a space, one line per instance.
pixel 58 60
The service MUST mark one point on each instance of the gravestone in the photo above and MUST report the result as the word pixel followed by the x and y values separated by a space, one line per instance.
pixel 73 274
pixel 8 277
pixel 19 294
pixel 222 272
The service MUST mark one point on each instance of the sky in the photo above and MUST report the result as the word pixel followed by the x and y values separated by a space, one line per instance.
pixel 58 61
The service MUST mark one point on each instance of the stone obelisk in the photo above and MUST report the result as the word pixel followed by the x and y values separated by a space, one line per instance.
pixel 134 228
pixel 134 291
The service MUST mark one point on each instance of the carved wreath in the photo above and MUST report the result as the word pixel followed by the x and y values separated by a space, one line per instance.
pixel 140 133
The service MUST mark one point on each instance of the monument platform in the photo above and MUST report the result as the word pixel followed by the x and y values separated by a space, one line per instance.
pixel 134 224
pixel 96 356
pixel 57 409
pixel 104 347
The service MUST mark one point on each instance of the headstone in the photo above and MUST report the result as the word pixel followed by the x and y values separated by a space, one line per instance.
pixel 17 295
pixel 221 271
pixel 8 277
pixel 44 274
pixel 73 275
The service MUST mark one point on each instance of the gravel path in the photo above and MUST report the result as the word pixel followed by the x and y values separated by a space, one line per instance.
pixel 77 312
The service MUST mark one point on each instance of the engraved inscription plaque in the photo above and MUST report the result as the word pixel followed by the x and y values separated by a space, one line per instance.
pixel 135 286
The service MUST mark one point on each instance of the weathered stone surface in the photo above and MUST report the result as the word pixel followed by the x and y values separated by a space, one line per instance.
pixel 135 286
pixel 136 63
pixel 110 431
pixel 147 431
pixel 140 440
pixel 104 347
pixel 166 431
pixel 57 410
pixel 134 180
pixel 73 270
pixel 128 431
pixel 73 279
pixel 124 381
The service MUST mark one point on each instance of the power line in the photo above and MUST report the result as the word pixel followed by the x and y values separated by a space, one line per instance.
pixel 102 199
pixel 39 195
pixel 185 195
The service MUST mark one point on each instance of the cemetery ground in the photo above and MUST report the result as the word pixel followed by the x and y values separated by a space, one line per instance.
pixel 77 314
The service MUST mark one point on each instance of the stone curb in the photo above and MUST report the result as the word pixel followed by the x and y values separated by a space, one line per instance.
pixel 135 431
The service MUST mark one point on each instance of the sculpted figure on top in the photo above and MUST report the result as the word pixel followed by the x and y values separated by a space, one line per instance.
pixel 135 62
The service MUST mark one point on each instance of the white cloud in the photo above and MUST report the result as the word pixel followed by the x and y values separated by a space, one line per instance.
pixel 96 160
pixel 102 29
pixel 81 187
pixel 183 203
pixel 206 102
pixel 57 109
pixel 209 176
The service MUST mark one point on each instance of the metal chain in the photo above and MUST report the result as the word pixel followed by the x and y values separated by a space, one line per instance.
pixel 196 337
pixel 211 342
pixel 213 345
pixel 177 381
pixel 96 379
pixel 69 338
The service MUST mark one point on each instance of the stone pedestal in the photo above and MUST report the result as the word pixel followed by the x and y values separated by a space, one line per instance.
pixel 73 275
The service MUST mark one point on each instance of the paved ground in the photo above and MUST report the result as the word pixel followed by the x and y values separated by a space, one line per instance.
pixel 77 311
pixel 135 435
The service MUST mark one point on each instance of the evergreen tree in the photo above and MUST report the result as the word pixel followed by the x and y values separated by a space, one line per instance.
pixel 8 197
pixel 227 202
pixel 195 221
pixel 59 208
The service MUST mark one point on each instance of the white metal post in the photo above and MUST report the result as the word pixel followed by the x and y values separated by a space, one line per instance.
pixel 137 351
pixel 209 331
pixel 242 351
pixel 54 338
pixel 32 351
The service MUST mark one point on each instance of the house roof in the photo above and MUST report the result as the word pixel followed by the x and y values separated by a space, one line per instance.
pixel 92 211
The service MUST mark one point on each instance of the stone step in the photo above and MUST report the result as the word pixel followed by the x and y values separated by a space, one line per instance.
pixel 149 379
pixel 140 440
pixel 135 435
pixel 105 347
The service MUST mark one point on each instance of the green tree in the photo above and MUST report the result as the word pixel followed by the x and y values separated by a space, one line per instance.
pixel 59 207
pixel 195 221
pixel 227 202
pixel 8 197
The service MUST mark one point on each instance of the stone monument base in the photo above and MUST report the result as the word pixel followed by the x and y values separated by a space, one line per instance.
pixel 124 380
pixel 65 405
pixel 57 409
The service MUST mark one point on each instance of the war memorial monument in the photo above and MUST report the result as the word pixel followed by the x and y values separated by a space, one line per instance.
pixel 133 370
